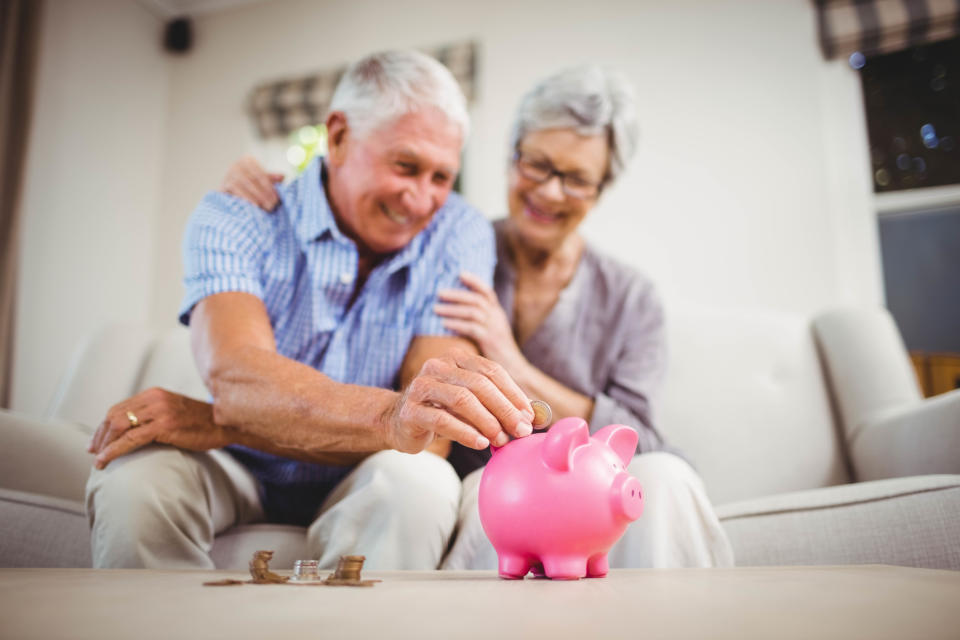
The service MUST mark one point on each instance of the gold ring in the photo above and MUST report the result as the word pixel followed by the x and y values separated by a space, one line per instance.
pixel 134 420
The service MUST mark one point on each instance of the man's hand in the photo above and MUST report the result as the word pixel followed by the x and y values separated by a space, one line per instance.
pixel 164 417
pixel 461 396
pixel 248 180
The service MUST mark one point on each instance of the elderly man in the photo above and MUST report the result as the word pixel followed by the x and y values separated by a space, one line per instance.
pixel 303 324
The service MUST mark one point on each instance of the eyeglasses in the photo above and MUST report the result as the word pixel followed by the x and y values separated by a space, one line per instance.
pixel 541 171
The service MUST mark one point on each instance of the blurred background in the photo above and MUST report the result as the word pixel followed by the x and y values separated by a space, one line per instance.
pixel 761 180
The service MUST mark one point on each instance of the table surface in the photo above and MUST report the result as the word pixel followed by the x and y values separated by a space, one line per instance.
pixel 869 601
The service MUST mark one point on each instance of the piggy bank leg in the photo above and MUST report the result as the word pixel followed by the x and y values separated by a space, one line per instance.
pixel 597 566
pixel 565 567
pixel 513 567
pixel 537 570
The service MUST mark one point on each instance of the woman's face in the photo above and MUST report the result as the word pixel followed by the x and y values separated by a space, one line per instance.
pixel 544 213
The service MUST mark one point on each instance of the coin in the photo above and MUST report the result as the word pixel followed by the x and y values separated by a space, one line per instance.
pixel 349 568
pixel 306 570
pixel 542 414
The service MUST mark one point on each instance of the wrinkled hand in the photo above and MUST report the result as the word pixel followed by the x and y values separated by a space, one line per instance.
pixel 165 417
pixel 477 314
pixel 464 397
pixel 248 180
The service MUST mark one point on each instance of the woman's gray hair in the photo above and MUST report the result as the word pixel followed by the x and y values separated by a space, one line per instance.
pixel 592 101
pixel 387 85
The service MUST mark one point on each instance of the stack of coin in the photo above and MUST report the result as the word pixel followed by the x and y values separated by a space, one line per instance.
pixel 542 414
pixel 306 570
pixel 349 567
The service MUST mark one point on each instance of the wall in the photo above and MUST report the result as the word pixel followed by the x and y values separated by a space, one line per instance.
pixel 92 185
pixel 751 187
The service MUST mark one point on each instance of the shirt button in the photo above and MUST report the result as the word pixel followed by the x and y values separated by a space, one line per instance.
pixel 346 277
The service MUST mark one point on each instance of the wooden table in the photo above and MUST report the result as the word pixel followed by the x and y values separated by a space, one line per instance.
pixel 769 602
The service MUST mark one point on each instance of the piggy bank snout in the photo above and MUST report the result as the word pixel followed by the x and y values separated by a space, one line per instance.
pixel 628 496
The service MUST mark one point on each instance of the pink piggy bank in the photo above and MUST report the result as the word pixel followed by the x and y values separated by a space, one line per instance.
pixel 556 502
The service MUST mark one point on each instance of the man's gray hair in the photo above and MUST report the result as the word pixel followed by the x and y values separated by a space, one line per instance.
pixel 590 100
pixel 387 85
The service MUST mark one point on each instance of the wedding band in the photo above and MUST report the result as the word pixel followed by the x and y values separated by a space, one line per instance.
pixel 134 420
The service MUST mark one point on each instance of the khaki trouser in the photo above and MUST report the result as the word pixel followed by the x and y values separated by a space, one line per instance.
pixel 678 527
pixel 161 507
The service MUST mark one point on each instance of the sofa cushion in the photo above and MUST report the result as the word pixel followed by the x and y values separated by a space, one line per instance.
pixel 906 521
pixel 746 401
pixel 40 531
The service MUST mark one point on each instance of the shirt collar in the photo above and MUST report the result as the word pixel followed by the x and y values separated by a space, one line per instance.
pixel 309 205
pixel 409 253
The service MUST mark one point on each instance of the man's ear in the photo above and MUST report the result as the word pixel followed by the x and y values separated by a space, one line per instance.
pixel 337 137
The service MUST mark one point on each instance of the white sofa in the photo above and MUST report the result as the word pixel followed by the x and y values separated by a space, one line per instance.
pixel 810 434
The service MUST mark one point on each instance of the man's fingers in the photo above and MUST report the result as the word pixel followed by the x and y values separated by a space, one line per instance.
pixel 275 177
pixel 117 423
pixel 464 403
pixel 479 384
pixel 499 376
pixel 129 441
pixel 452 428
pixel 94 445
pixel 111 429
pixel 445 425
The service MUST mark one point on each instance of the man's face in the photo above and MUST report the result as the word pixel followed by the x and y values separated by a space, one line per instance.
pixel 387 184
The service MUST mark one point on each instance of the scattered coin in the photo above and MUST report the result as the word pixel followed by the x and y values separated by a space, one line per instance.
pixel 222 583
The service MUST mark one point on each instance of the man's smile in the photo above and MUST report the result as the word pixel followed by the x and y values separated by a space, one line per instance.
pixel 399 218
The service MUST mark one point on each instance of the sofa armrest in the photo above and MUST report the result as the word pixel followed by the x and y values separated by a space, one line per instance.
pixel 918 439
pixel 866 363
pixel 910 522
pixel 48 457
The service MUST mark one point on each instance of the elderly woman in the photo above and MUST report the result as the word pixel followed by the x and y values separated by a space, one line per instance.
pixel 573 327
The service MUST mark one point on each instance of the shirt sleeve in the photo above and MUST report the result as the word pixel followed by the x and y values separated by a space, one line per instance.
pixel 472 248
pixel 637 373
pixel 223 250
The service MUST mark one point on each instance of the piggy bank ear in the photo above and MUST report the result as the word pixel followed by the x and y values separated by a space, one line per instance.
pixel 562 438
pixel 621 438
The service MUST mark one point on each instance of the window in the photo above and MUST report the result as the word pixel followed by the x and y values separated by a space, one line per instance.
pixel 912 101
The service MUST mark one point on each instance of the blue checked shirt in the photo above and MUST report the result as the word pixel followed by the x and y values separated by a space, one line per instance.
pixel 297 261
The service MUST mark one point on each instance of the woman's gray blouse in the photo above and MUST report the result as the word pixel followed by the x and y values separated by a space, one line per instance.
pixel 604 338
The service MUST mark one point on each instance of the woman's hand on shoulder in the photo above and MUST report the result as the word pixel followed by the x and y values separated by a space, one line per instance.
pixel 476 313
pixel 248 180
